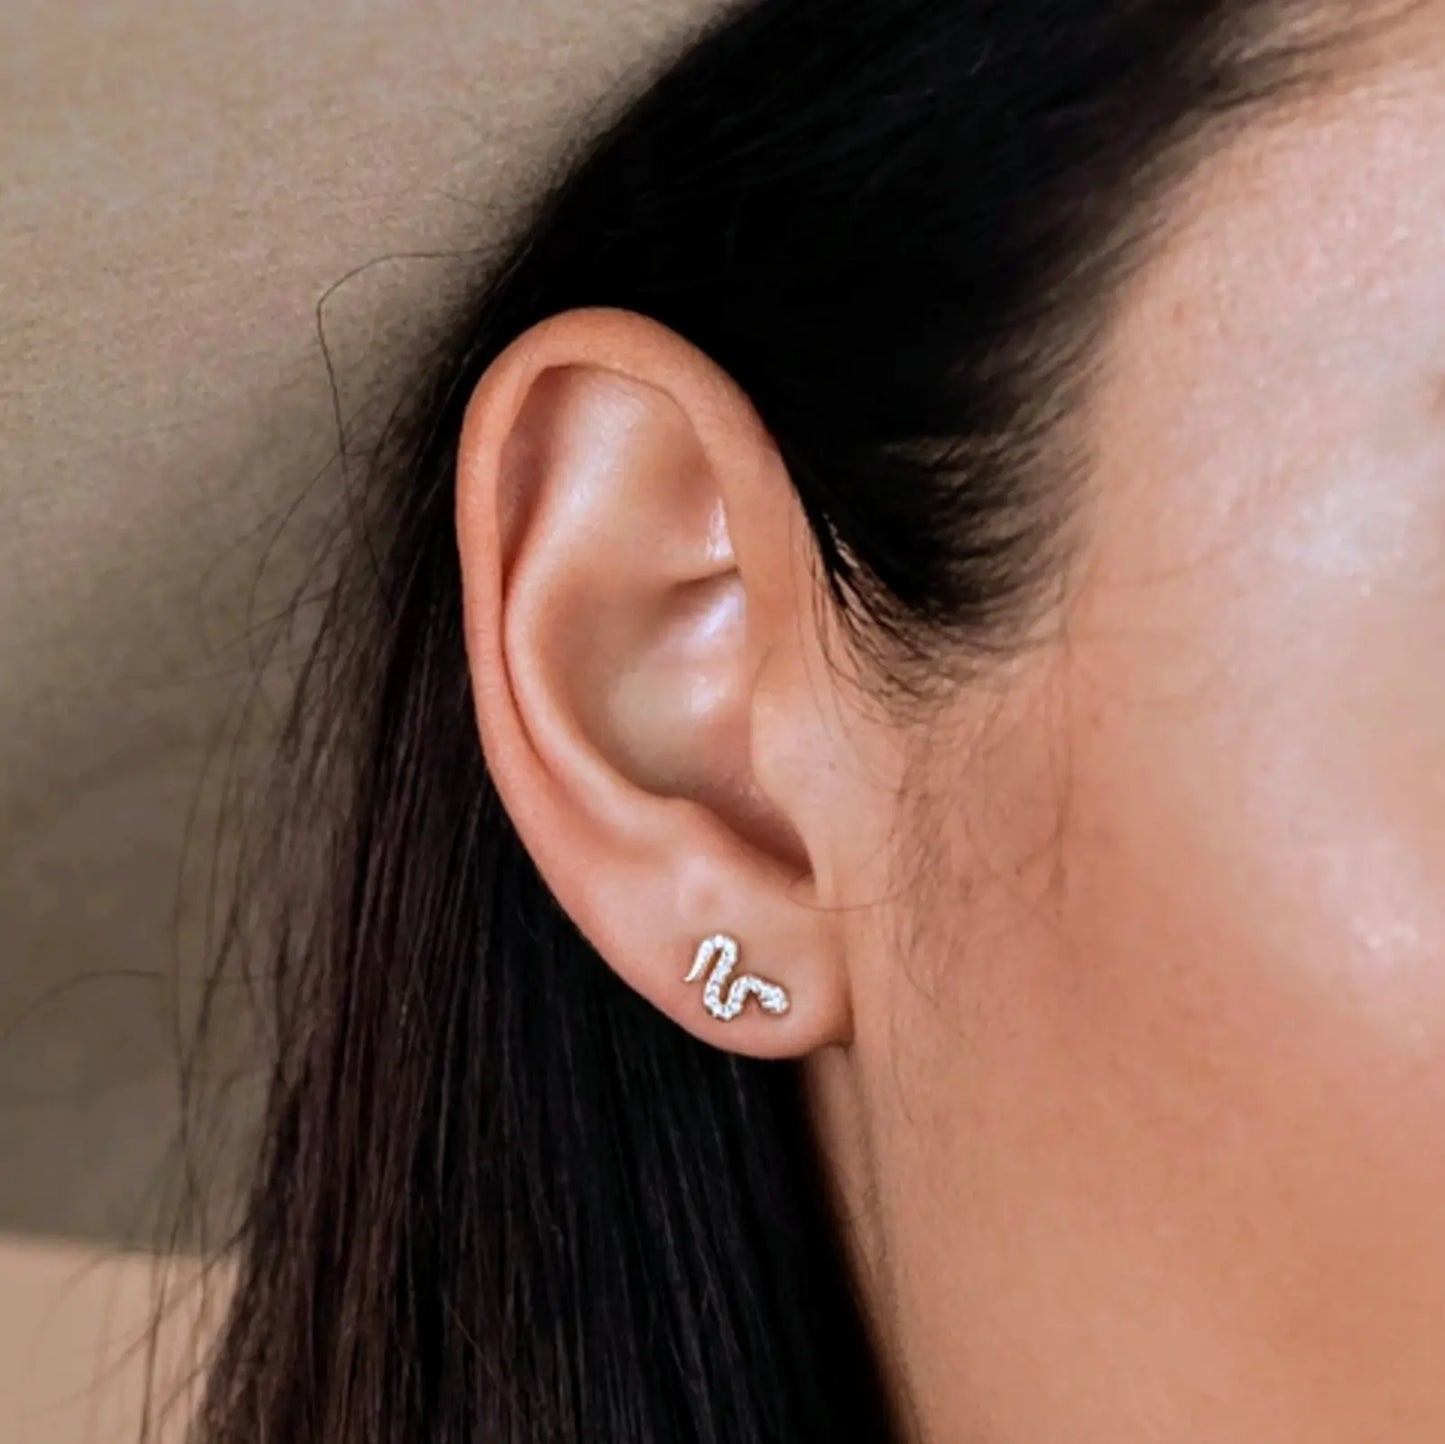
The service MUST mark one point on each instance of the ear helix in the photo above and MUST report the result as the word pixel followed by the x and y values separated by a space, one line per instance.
pixel 721 952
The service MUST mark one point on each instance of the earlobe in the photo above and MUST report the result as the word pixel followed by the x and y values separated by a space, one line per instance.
pixel 621 557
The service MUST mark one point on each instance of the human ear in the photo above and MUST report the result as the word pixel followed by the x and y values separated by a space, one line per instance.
pixel 637 591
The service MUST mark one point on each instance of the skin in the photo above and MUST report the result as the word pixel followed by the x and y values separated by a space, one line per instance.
pixel 1120 981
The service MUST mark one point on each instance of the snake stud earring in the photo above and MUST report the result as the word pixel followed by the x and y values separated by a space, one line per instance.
pixel 721 952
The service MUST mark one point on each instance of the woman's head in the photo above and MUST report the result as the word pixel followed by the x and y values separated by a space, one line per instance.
pixel 946 495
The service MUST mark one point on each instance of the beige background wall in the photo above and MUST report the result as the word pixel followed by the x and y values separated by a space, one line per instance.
pixel 179 185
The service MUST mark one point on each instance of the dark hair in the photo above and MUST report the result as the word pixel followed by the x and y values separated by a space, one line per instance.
pixel 499 1197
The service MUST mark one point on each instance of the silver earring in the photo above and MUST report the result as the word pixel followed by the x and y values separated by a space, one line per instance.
pixel 772 998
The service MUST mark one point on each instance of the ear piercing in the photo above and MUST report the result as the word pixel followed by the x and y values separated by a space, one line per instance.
pixel 721 952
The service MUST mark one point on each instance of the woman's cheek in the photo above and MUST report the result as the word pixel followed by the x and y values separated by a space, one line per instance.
pixel 1245 1047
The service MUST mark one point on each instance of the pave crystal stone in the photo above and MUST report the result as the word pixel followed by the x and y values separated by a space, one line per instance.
pixel 772 997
